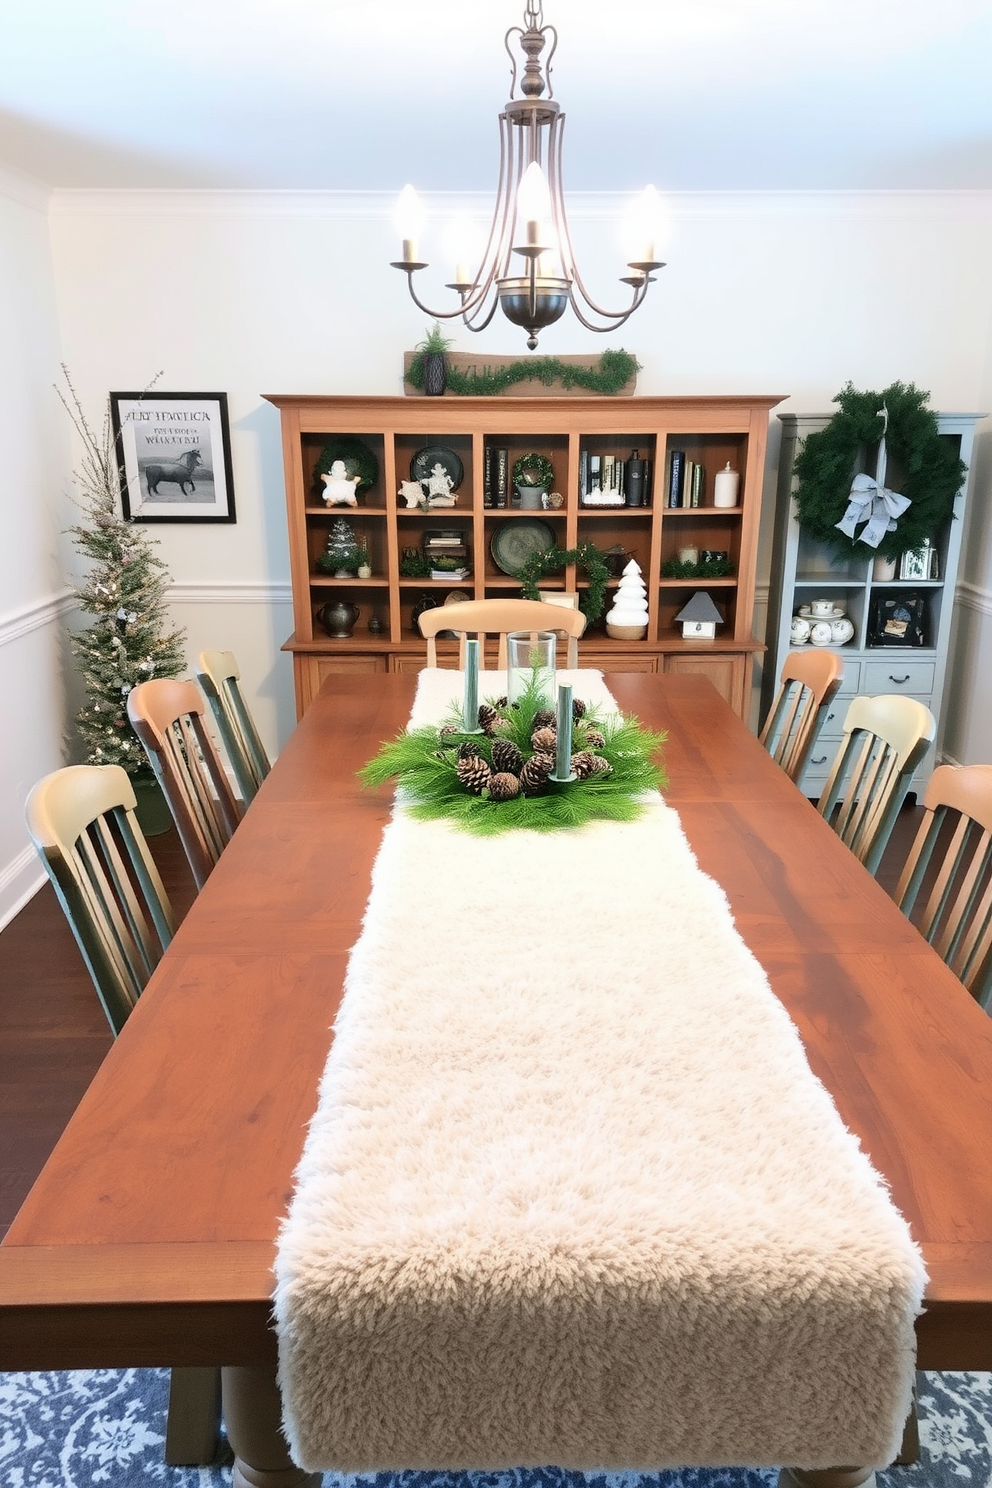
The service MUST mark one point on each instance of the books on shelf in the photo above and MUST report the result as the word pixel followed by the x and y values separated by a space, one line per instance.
pixel 686 480
pixel 604 480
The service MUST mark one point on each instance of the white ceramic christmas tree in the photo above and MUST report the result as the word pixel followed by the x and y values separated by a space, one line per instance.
pixel 627 618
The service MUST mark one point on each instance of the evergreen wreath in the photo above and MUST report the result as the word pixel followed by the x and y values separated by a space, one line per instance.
pixel 825 468
pixel 425 764
pixel 551 560
pixel 614 371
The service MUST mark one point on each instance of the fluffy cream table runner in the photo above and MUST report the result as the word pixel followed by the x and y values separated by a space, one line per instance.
pixel 572 1194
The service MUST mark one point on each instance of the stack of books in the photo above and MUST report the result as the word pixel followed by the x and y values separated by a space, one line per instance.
pixel 446 543
pixel 496 477
pixel 686 480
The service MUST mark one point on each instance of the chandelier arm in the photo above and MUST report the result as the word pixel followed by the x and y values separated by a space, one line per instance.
pixel 616 319
pixel 550 31
pixel 619 316
pixel 513 31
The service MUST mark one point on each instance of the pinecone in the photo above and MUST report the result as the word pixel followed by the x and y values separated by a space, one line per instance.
pixel 474 774
pixel 503 787
pixel 499 726
pixel 578 708
pixel 534 775
pixel 544 740
pixel 506 757
pixel 468 749
pixel 585 763
pixel 594 739
pixel 544 718
pixel 447 729
pixel 487 717
pixel 502 702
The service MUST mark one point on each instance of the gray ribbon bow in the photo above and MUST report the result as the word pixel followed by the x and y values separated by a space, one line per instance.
pixel 875 505
pixel 871 502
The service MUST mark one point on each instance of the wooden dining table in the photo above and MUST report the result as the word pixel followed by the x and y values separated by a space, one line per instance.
pixel 149 1237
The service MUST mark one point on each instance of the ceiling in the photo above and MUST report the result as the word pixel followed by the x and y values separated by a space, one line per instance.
pixel 366 94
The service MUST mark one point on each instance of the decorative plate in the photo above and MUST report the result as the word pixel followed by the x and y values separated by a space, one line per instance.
pixel 425 459
pixel 514 542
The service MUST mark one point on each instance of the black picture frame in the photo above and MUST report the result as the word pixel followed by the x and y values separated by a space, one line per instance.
pixel 173 456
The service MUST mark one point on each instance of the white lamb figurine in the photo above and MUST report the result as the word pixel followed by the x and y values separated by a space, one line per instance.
pixel 339 486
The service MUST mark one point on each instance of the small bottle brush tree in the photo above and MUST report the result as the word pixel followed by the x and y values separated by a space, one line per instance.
pixel 130 640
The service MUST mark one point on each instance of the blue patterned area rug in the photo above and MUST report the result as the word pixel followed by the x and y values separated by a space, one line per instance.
pixel 91 1428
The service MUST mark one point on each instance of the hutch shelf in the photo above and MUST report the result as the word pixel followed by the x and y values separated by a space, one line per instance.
pixel 568 430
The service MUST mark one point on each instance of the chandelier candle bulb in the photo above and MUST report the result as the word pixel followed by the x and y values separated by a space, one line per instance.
pixel 563 762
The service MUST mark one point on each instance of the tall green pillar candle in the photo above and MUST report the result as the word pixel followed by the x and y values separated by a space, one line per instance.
pixel 470 705
pixel 563 762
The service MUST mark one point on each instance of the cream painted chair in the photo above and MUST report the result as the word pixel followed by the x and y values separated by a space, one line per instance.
pixel 482 617
pixel 885 739
pixel 957 917
pixel 82 823
pixel 807 685
pixel 220 680
pixel 168 718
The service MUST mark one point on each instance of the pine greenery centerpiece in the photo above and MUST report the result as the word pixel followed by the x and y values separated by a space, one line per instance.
pixel 500 780
pixel 129 640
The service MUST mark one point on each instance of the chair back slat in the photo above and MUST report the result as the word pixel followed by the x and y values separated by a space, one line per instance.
pixel 81 820
pixel 482 617
pixel 885 739
pixel 957 916
pixel 168 718
pixel 808 683
pixel 221 682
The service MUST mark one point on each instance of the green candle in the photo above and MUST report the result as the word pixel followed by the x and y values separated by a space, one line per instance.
pixel 563 763
pixel 470 705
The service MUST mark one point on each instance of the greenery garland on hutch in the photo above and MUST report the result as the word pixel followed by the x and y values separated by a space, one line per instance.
pixel 927 455
pixel 710 431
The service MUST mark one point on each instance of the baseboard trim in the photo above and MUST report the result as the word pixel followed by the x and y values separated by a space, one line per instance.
pixel 19 882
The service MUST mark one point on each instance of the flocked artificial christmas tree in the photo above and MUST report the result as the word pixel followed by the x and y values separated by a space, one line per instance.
pixel 130 640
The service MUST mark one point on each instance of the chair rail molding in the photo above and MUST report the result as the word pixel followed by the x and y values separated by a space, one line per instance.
pixel 262 591
pixel 974 597
pixel 34 616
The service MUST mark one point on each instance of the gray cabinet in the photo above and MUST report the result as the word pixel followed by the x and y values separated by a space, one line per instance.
pixel 804 571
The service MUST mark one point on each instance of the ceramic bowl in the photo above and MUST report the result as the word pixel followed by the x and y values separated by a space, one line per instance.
pixel 821 633
pixel 800 631
pixel 841 630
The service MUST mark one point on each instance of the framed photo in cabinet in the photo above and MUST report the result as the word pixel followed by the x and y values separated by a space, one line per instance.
pixel 174 456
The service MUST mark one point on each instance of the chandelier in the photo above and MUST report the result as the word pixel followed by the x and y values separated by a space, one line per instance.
pixel 528 264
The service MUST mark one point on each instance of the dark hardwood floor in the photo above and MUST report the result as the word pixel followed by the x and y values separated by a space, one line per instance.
pixel 53 1034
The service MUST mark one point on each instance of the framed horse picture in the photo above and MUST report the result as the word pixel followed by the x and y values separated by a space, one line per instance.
pixel 174 456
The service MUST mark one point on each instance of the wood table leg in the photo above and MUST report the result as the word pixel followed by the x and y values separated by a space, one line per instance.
pixel 253 1416
pixel 829 1477
pixel 192 1426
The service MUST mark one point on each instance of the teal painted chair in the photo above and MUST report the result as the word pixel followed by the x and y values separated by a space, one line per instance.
pixel 957 916
pixel 885 740
pixel 82 823
pixel 220 679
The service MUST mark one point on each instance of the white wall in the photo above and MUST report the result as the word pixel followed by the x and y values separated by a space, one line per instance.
pixel 32 502
pixel 291 292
